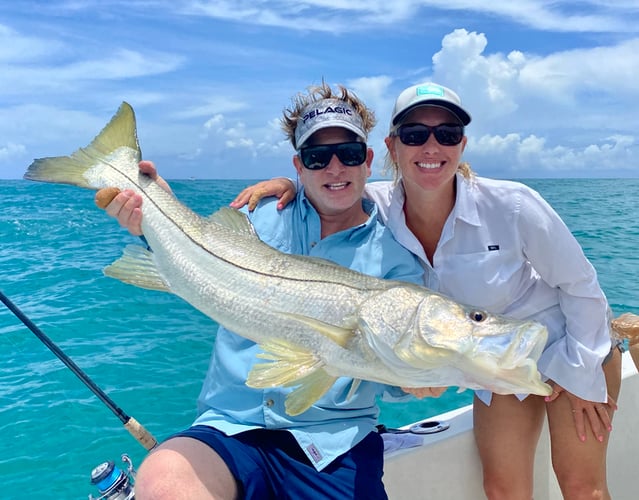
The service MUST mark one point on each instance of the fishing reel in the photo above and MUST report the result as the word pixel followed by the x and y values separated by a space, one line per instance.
pixel 112 482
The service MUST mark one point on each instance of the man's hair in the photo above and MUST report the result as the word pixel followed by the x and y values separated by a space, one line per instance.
pixel 316 93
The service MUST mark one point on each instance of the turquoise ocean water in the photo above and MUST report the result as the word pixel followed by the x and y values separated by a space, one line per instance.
pixel 148 350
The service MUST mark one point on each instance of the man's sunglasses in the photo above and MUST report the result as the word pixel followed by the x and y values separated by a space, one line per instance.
pixel 416 134
pixel 318 157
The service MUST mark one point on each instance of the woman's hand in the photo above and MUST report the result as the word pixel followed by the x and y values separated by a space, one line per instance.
pixel 425 392
pixel 597 414
pixel 280 187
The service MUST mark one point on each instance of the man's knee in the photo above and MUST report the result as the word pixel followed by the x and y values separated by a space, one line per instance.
pixel 155 477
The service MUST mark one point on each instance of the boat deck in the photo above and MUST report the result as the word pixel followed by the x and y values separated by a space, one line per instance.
pixel 447 467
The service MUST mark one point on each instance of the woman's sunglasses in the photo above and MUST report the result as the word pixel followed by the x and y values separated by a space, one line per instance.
pixel 318 157
pixel 416 134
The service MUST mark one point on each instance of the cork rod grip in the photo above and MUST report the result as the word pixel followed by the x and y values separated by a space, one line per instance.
pixel 144 437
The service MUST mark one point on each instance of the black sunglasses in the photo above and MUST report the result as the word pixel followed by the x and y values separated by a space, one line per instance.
pixel 318 157
pixel 416 134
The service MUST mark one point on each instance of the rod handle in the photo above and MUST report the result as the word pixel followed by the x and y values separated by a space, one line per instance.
pixel 144 437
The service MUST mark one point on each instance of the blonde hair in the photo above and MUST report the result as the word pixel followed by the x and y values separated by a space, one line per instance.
pixel 317 93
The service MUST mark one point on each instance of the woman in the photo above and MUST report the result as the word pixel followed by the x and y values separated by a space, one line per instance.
pixel 500 246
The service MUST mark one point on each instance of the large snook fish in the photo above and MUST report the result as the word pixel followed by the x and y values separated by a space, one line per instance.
pixel 314 320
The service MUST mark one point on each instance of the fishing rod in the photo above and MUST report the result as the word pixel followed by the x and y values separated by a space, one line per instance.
pixel 136 429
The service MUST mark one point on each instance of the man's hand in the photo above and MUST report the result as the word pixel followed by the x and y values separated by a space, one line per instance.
pixel 126 206
pixel 280 187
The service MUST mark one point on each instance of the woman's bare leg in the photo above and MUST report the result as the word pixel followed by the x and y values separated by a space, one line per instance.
pixel 506 433
pixel 581 466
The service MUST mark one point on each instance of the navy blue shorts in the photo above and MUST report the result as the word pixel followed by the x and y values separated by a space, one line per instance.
pixel 269 464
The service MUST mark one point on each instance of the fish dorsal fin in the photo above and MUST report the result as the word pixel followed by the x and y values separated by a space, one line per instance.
pixel 137 267
pixel 234 220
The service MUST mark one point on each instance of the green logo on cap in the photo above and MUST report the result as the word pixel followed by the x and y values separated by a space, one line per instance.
pixel 430 90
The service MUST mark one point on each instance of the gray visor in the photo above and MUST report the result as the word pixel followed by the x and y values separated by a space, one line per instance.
pixel 328 113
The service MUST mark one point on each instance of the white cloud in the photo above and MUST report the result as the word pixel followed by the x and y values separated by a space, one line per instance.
pixel 601 70
pixel 532 154
pixel 209 79
pixel 342 16
pixel 348 16
pixel 121 64
pixel 215 124
pixel 569 89
pixel 61 76
pixel 217 105
pixel 488 81
pixel 558 16
pixel 16 47
pixel 43 124
pixel 534 110
pixel 10 151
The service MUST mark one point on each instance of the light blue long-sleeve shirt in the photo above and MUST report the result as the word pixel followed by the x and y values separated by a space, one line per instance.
pixel 333 425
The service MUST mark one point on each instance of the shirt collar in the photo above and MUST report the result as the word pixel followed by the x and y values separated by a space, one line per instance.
pixel 465 204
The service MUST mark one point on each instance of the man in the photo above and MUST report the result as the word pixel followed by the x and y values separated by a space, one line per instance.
pixel 243 444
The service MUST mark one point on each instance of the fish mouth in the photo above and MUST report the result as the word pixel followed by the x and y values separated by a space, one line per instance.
pixel 504 363
pixel 528 343
pixel 514 371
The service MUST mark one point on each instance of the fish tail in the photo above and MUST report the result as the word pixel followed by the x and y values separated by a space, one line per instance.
pixel 115 147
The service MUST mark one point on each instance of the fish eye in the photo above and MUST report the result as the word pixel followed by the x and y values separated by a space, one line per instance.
pixel 477 315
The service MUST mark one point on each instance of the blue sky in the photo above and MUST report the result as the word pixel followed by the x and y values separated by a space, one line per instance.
pixel 551 85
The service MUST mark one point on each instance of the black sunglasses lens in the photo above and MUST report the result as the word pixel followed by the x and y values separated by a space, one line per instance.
pixel 413 135
pixel 448 135
pixel 315 157
pixel 351 154
pixel 318 157
pixel 417 134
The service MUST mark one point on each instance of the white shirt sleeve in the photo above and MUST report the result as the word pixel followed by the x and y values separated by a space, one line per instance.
pixel 574 360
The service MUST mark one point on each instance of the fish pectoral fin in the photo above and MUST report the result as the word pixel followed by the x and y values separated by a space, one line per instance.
pixel 354 387
pixel 137 267
pixel 311 388
pixel 288 363
pixel 291 365
pixel 233 219
pixel 341 336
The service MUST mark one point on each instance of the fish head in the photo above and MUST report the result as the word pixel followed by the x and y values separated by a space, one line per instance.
pixel 500 353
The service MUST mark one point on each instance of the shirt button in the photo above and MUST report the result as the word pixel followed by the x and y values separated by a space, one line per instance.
pixel 313 243
pixel 270 402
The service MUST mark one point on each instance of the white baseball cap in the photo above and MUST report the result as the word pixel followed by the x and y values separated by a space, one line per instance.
pixel 428 94
pixel 328 113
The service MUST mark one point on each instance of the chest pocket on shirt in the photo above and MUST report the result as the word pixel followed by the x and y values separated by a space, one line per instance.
pixel 487 279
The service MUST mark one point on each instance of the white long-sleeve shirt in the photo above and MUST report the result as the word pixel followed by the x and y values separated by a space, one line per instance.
pixel 505 249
